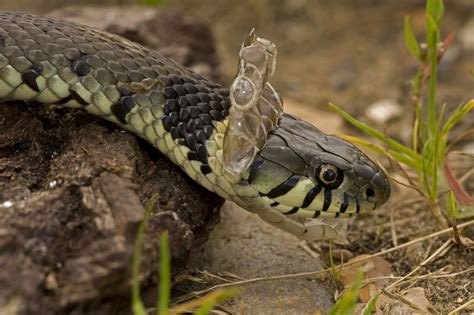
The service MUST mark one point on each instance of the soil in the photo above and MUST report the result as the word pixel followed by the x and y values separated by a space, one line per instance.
pixel 351 54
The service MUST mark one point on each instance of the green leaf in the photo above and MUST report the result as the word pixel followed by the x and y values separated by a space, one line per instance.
pixel 435 8
pixel 432 33
pixel 410 40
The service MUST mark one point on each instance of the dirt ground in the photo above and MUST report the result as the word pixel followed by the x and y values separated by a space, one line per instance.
pixel 353 54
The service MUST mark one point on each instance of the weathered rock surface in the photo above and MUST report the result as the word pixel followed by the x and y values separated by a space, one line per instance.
pixel 245 246
pixel 72 190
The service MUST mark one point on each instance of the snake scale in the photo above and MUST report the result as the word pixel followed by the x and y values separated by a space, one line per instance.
pixel 300 174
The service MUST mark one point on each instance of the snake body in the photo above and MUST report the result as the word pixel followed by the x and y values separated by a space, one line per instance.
pixel 185 116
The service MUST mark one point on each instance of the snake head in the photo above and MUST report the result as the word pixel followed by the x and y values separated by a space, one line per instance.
pixel 306 173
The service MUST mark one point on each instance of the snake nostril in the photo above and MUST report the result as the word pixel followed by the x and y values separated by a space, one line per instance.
pixel 370 192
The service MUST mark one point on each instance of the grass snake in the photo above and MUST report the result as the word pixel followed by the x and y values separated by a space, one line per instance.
pixel 298 175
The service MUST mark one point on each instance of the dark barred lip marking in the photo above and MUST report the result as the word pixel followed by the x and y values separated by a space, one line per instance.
pixel 253 170
pixel 80 67
pixel 327 199
pixel 78 98
pixel 121 109
pixel 274 204
pixel 337 214
pixel 284 187
pixel 310 196
pixel 29 77
pixel 344 204
pixel 292 211
pixel 206 169
pixel 317 214
pixel 357 206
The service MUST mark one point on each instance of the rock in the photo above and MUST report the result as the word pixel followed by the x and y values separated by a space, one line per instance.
pixel 72 193
pixel 384 110
pixel 244 245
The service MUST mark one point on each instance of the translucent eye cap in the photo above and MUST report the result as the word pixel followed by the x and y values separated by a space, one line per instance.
pixel 255 105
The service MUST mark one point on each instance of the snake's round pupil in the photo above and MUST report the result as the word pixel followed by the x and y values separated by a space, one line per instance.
pixel 328 174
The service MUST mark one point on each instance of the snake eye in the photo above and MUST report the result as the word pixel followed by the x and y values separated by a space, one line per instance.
pixel 329 175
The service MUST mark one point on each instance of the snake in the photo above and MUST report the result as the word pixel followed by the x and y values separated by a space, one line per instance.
pixel 300 174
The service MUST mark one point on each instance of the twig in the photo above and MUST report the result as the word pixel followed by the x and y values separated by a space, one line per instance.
pixel 208 274
pixel 460 308
pixel 428 276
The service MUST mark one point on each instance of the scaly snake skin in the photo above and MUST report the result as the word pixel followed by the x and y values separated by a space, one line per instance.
pixel 184 115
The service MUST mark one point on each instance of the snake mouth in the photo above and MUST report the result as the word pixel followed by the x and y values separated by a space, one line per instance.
pixel 299 196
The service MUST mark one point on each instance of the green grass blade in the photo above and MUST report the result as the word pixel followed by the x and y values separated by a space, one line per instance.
pixel 375 148
pixel 137 304
pixel 456 117
pixel 451 205
pixel 165 275
pixel 348 301
pixel 432 38
pixel 410 39
pixel 374 133
pixel 208 304
pixel 371 305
